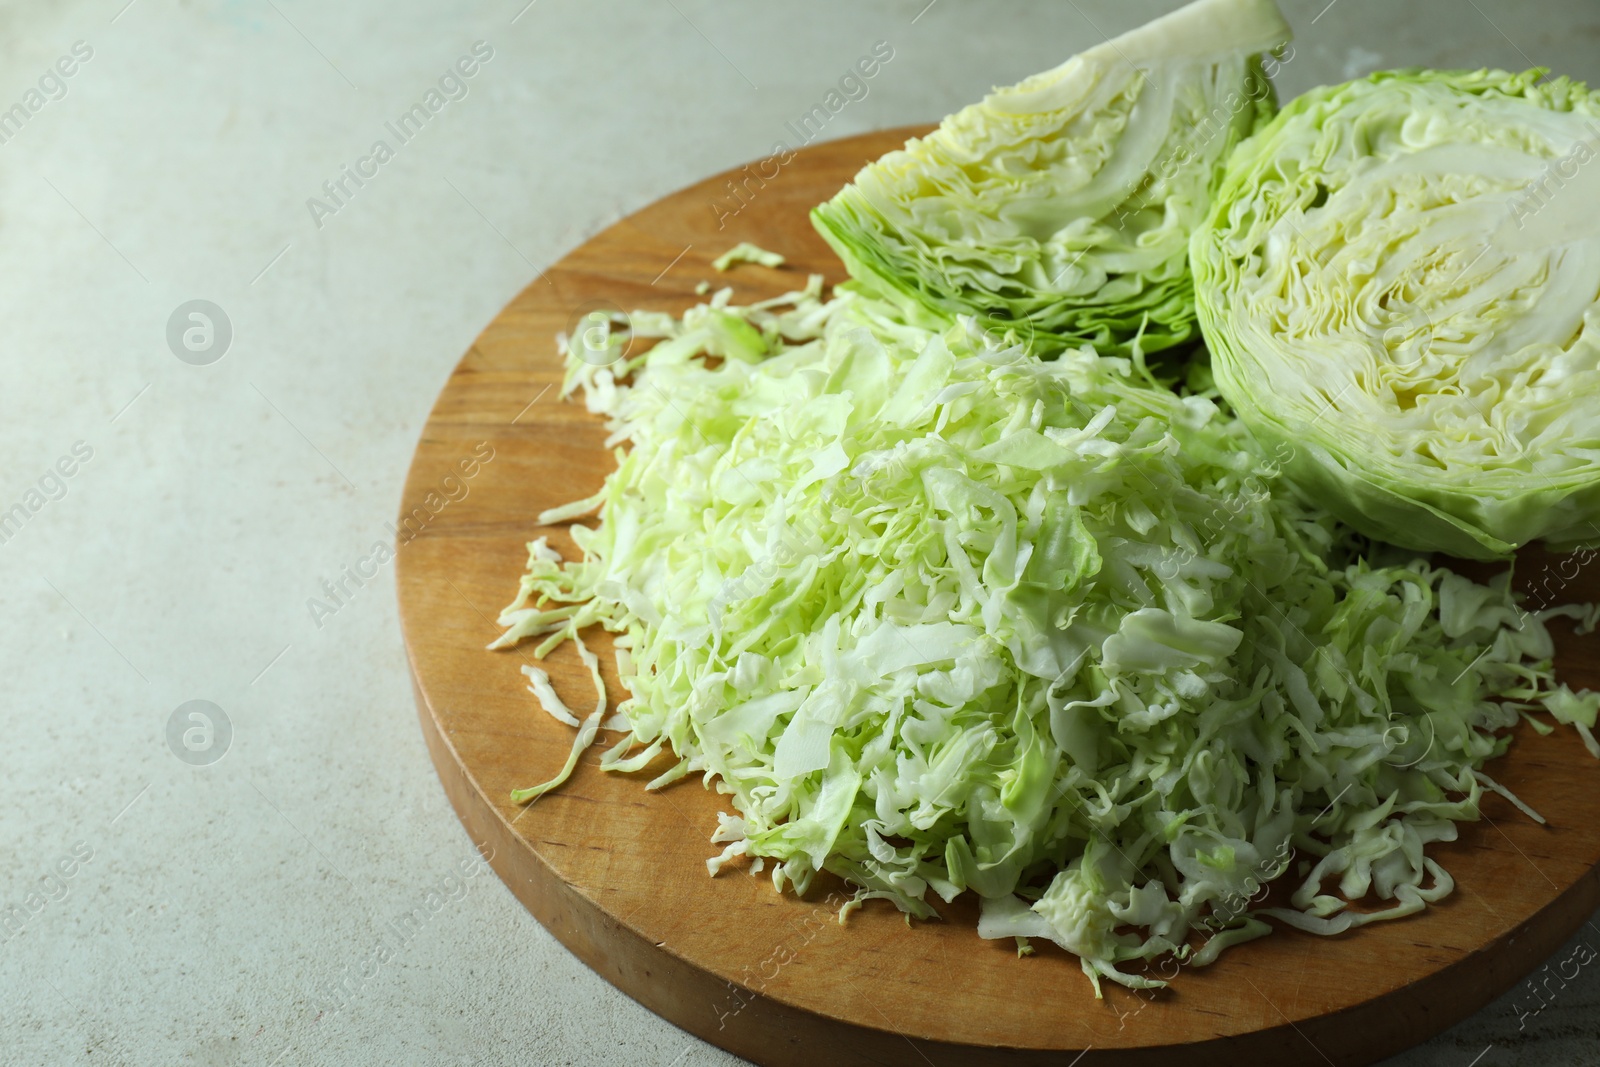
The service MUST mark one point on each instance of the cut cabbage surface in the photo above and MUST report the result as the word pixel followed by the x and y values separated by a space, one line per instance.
pixel 1061 207
pixel 940 617
pixel 1400 282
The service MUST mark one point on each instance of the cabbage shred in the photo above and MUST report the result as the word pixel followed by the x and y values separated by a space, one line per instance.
pixel 938 616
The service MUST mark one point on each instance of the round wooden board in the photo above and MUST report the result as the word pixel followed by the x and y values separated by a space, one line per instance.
pixel 619 876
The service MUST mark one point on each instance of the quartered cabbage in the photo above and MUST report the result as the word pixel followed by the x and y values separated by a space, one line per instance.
pixel 1061 207
pixel 940 617
pixel 1399 279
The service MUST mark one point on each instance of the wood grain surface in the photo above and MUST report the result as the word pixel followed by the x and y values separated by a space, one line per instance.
pixel 619 876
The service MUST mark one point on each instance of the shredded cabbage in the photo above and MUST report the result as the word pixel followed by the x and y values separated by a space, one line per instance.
pixel 1400 277
pixel 1061 207
pixel 745 252
pixel 938 616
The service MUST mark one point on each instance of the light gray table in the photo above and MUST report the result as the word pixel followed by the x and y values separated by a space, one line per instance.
pixel 209 907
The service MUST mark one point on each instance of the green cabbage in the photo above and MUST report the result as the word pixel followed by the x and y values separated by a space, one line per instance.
pixel 1062 207
pixel 938 616
pixel 1399 279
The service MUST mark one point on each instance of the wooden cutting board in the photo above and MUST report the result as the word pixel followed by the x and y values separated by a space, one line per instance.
pixel 619 876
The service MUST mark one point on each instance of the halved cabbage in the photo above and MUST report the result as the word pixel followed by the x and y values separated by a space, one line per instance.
pixel 1062 206
pixel 1399 279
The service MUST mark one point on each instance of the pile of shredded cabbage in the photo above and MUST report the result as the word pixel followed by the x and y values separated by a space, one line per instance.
pixel 939 616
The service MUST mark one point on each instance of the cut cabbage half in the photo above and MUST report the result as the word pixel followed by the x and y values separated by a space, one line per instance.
pixel 1061 207
pixel 1399 279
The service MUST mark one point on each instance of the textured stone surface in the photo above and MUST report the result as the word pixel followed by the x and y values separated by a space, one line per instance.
pixel 220 900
